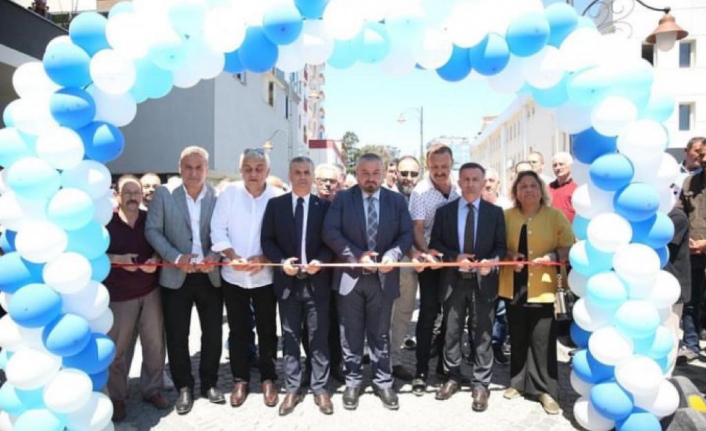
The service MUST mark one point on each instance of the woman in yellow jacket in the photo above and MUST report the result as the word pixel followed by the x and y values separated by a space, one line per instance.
pixel 538 233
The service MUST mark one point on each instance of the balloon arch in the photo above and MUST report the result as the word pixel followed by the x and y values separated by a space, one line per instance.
pixel 65 126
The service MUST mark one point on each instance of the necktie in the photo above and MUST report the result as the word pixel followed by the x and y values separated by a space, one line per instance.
pixel 299 226
pixel 469 235
pixel 372 223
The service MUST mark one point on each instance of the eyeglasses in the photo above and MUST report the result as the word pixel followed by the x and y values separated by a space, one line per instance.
pixel 413 174
pixel 327 180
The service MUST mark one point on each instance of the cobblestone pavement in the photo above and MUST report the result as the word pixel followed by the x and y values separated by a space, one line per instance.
pixel 415 413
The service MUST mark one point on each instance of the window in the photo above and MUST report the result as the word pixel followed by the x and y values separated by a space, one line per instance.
pixel 686 54
pixel 271 93
pixel 686 114
pixel 648 53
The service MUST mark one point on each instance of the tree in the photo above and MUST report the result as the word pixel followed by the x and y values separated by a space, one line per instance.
pixel 350 151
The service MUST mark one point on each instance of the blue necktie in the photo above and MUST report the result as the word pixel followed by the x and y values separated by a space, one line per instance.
pixel 372 223
pixel 299 226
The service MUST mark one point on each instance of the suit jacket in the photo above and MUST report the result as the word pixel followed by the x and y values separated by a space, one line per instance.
pixel 490 243
pixel 278 239
pixel 168 229
pixel 345 233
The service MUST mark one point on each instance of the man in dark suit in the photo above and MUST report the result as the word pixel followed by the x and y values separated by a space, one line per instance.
pixel 364 222
pixel 456 234
pixel 291 234
pixel 178 227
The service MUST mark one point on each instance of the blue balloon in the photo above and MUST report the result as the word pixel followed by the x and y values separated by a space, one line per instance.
pixel 579 336
pixel 458 67
pixel 13 146
pixel 95 358
pixel 70 209
pixel 611 401
pixel 16 272
pixel 67 336
pixel 590 86
pixel 8 114
pixel 100 268
pixel 562 20
pixel 606 291
pixel 636 202
pixel 656 231
pixel 99 380
pixel 580 226
pixel 282 24
pixel 528 34
pixel 637 319
pixel 659 107
pixel 233 63
pixel 639 421
pixel 87 30
pixel 32 398
pixel 102 141
pixel 7 242
pixel 169 53
pixel 344 54
pixel 91 241
pixel 10 402
pixel 588 261
pixel 40 420
pixel 656 346
pixel 663 253
pixel 257 53
pixel 33 179
pixel 552 97
pixel 634 84
pixel 589 145
pixel 72 107
pixel 491 55
pixel 611 172
pixel 151 81
pixel 4 357
pixel 121 7
pixel 589 369
pixel 67 65
pixel 372 43
pixel 35 305
pixel 311 9
pixel 586 22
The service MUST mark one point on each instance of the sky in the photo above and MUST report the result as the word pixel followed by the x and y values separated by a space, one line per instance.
pixel 365 100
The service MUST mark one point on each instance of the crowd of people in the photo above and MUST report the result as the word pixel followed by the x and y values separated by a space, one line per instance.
pixel 261 248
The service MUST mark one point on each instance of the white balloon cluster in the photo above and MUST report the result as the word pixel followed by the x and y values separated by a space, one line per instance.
pixel 55 196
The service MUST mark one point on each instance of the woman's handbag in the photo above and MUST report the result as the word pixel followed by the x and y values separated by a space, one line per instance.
pixel 563 300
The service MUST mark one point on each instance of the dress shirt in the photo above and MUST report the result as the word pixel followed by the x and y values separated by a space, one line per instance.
pixel 236 224
pixel 426 199
pixel 194 207
pixel 306 219
pixel 462 215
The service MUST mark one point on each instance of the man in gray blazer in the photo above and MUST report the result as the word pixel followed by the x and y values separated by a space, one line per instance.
pixel 362 223
pixel 178 227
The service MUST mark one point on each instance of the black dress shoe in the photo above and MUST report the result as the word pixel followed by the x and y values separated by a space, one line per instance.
pixel 214 395
pixel 350 398
pixel 185 401
pixel 419 385
pixel 388 398
pixel 400 372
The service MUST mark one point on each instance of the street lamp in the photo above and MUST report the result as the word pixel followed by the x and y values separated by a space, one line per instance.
pixel 420 112
pixel 664 36
pixel 267 145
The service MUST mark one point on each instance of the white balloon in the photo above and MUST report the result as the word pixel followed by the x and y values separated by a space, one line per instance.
pixel 90 302
pixel 587 416
pixel 61 147
pixel 400 60
pixel 32 115
pixel 90 176
pixel 112 72
pixel 435 50
pixel 32 337
pixel 667 172
pixel 662 402
pixel 126 34
pixel 40 241
pixel 29 369
pixel 589 317
pixel 10 335
pixel 577 283
pixel 667 199
pixel 573 118
pixel 104 208
pixel 636 263
pixel 581 49
pixel 116 109
pixel 590 201
pixel 290 58
pixel 581 387
pixel 16 212
pixel 68 273
pixel 611 116
pixel 5 299
pixel 511 79
pixel 94 415
pixel 30 79
pixel 207 62
pixel 639 375
pixel 6 421
pixel 544 69
pixel 608 232
pixel 317 43
pixel 467 24
pixel 68 391
pixel 102 323
pixel 343 19
pixel 224 29
pixel 609 346
pixel 643 142
pixel 666 290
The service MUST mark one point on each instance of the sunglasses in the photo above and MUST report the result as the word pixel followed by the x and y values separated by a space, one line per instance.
pixel 413 174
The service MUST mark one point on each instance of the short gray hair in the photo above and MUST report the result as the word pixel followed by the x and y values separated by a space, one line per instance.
pixel 327 167
pixel 301 159
pixel 564 156
pixel 254 153
pixel 191 150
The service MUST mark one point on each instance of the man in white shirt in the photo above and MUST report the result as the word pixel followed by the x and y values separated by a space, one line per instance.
pixel 235 233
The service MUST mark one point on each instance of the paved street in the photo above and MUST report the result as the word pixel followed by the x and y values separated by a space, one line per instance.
pixel 415 413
